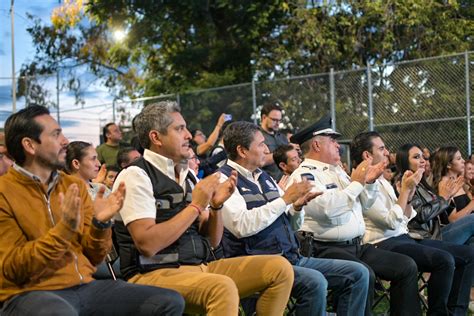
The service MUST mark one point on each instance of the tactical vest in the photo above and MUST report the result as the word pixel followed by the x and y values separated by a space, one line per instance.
pixel 190 249
pixel 278 238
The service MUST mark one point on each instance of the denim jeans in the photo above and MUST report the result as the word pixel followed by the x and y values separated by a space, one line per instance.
pixel 460 231
pixel 348 280
pixel 100 297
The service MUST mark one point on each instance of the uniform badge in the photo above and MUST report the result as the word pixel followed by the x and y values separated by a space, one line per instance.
pixel 331 186
pixel 307 176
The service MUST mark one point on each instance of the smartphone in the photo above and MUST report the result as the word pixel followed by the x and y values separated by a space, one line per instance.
pixel 227 117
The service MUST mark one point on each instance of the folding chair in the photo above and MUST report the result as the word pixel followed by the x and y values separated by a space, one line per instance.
pixel 382 292
pixel 422 286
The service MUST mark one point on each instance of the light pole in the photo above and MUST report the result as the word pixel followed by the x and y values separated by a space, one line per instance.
pixel 13 59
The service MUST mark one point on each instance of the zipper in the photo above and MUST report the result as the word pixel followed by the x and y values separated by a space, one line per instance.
pixel 51 218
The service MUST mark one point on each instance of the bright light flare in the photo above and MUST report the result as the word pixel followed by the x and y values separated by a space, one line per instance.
pixel 119 35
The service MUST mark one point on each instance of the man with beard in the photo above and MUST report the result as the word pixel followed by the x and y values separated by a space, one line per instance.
pixel 53 236
pixel 271 117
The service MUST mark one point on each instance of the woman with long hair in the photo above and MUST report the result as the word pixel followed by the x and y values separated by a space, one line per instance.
pixel 82 162
pixel 468 177
pixel 426 223
pixel 448 164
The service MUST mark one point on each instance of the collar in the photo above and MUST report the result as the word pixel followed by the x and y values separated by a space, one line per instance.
pixel 166 165
pixel 245 172
pixel 52 180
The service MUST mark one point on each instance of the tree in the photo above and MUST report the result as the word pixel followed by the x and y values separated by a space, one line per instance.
pixel 192 44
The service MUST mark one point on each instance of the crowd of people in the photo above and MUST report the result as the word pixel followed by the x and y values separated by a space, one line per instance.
pixel 246 218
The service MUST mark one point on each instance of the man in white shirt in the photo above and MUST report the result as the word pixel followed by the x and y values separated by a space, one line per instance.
pixel 167 231
pixel 335 218
pixel 450 265
pixel 260 218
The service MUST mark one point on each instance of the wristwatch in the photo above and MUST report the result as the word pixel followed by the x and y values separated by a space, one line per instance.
pixel 101 225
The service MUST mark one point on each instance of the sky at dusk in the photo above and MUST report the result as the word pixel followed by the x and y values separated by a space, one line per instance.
pixel 78 123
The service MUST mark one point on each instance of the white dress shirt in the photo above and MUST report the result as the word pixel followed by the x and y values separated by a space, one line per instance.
pixel 139 200
pixel 336 215
pixel 385 218
pixel 242 222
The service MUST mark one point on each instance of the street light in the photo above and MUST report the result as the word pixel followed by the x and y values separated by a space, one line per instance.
pixel 119 35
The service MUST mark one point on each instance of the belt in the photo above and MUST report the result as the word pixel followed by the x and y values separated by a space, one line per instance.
pixel 353 241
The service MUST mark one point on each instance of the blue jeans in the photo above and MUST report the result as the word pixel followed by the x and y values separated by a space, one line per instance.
pixel 348 280
pixel 100 297
pixel 460 231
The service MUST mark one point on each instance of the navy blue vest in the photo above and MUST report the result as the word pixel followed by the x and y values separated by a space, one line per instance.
pixel 278 238
pixel 190 249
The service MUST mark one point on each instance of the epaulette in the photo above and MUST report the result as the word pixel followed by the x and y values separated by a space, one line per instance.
pixel 310 167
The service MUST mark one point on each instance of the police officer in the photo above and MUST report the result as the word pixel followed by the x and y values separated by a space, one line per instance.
pixel 335 218
pixel 260 219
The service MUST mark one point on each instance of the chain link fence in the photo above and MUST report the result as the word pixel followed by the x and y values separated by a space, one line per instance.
pixel 426 101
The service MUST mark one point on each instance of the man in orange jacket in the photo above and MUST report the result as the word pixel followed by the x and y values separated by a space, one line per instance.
pixel 53 235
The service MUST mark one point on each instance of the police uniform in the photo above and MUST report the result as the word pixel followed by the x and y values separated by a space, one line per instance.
pixel 336 222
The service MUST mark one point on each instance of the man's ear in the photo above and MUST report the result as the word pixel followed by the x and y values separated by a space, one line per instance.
pixel 315 145
pixel 29 145
pixel 282 166
pixel 366 155
pixel 155 137
pixel 241 151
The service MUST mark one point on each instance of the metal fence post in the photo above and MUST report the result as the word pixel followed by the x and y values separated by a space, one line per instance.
pixel 57 96
pixel 332 98
pixel 468 102
pixel 113 111
pixel 254 101
pixel 369 90
pixel 178 99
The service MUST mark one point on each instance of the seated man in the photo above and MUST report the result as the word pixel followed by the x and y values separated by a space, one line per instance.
pixel 260 219
pixel 335 217
pixel 167 233
pixel 287 159
pixel 53 236
pixel 451 266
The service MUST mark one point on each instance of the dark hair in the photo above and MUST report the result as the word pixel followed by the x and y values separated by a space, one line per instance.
pixel 75 150
pixel 194 131
pixel 105 130
pixel 268 107
pixel 440 161
pixel 135 142
pixel 402 161
pixel 280 154
pixel 113 168
pixel 122 156
pixel 20 125
pixel 362 142
pixel 238 133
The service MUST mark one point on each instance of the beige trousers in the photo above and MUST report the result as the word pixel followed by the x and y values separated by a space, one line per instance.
pixel 215 288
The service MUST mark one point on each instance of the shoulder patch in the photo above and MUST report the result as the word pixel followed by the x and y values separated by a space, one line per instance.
pixel 309 167
pixel 331 186
pixel 307 176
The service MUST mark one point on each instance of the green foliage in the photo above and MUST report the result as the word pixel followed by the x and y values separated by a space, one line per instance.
pixel 179 46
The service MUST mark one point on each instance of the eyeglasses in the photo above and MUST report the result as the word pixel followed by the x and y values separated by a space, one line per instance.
pixel 193 157
pixel 275 119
